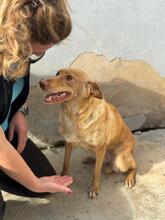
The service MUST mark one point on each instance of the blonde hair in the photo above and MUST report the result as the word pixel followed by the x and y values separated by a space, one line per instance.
pixel 26 21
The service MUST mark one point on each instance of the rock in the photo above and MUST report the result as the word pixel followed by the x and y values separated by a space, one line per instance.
pixel 134 87
pixel 135 122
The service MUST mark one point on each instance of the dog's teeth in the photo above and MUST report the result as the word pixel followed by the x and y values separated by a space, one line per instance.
pixel 62 94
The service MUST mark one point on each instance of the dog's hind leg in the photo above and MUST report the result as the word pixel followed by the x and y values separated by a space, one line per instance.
pixel 125 162
pixel 131 178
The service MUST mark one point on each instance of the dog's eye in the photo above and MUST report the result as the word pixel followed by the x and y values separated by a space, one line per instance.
pixel 69 77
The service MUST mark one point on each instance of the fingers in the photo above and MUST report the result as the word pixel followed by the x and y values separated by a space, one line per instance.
pixel 57 183
pixel 18 124
pixel 64 189
pixel 58 178
pixel 65 181
pixel 11 133
pixel 48 184
pixel 62 180
pixel 22 138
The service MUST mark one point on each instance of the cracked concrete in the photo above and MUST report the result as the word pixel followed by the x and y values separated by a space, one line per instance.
pixel 144 202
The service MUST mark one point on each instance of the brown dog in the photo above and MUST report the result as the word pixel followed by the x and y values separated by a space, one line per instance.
pixel 88 121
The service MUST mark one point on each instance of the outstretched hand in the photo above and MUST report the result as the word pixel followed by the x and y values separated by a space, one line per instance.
pixel 55 183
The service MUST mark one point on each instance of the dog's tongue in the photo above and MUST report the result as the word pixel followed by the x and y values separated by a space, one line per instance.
pixel 54 97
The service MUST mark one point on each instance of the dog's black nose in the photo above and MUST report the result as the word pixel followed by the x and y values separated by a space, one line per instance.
pixel 43 84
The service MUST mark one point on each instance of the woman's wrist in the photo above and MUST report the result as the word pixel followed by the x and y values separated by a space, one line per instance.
pixel 36 186
pixel 24 110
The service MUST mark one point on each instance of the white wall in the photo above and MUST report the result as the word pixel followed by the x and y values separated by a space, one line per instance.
pixel 131 29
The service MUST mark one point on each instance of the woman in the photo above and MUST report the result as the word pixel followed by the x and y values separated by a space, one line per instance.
pixel 26 27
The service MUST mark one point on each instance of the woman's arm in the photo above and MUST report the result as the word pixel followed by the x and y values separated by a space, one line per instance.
pixel 14 166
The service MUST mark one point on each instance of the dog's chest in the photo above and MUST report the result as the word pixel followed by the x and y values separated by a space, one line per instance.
pixel 68 127
pixel 83 131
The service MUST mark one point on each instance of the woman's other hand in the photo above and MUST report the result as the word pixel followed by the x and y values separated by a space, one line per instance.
pixel 18 125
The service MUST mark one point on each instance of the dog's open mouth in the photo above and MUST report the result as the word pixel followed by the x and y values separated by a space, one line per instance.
pixel 56 97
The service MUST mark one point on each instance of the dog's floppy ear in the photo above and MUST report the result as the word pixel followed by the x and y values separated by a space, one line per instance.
pixel 95 90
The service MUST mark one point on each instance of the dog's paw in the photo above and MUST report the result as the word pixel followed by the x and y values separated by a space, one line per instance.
pixel 130 181
pixel 94 191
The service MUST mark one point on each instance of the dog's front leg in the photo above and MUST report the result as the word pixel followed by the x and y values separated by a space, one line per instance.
pixel 95 186
pixel 68 150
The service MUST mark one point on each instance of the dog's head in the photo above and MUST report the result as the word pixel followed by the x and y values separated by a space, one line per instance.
pixel 67 85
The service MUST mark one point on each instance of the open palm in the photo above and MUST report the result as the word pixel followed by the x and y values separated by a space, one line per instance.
pixel 56 184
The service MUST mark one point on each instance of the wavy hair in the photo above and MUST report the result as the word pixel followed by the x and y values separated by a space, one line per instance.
pixel 26 21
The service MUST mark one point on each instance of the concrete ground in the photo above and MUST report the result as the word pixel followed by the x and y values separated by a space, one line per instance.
pixel 146 201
